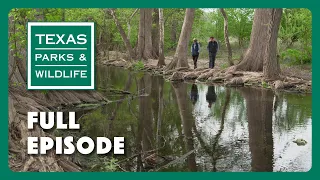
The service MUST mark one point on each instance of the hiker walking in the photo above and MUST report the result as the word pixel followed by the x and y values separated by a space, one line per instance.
pixel 195 49
pixel 213 49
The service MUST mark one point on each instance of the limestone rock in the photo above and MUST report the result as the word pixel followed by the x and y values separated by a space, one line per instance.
pixel 190 76
pixel 215 79
pixel 300 142
pixel 278 84
pixel 177 76
pixel 237 81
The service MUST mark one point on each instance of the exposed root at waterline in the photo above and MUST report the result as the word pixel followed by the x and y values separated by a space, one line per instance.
pixel 228 77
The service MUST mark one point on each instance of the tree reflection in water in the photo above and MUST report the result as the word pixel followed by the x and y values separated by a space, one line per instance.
pixel 243 129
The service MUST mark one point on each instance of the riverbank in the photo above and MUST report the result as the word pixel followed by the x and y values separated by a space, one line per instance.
pixel 292 79
pixel 21 102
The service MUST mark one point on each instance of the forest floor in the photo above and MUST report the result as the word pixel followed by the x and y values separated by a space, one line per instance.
pixel 294 78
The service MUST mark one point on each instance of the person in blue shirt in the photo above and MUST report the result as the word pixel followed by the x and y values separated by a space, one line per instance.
pixel 195 49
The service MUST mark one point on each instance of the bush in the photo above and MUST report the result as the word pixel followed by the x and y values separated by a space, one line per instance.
pixel 110 165
pixel 294 56
pixel 138 65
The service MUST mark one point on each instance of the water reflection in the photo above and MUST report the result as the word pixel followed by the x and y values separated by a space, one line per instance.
pixel 211 96
pixel 168 130
pixel 259 114
pixel 194 94
pixel 187 120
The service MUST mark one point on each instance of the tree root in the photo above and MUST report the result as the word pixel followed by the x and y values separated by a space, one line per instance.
pixel 20 103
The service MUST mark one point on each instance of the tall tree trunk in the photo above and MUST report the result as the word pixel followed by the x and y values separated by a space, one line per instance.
pixel 148 34
pixel 180 58
pixel 140 46
pixel 173 32
pixel 259 111
pixel 155 33
pixel 263 33
pixel 271 67
pixel 161 61
pixel 145 34
pixel 130 51
pixel 226 36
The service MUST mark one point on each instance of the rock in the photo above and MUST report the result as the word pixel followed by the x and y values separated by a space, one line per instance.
pixel 215 79
pixel 237 81
pixel 300 142
pixel 177 76
pixel 228 76
pixel 190 76
pixel 278 84
pixel 237 73
pixel 205 76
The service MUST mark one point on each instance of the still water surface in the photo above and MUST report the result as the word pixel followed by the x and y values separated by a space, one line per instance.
pixel 196 127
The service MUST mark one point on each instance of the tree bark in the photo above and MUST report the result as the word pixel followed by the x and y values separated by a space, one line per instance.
pixel 140 46
pixel 260 40
pixel 22 101
pixel 130 51
pixel 271 66
pixel 161 61
pixel 226 36
pixel 173 32
pixel 155 33
pixel 145 34
pixel 180 58
pixel 148 34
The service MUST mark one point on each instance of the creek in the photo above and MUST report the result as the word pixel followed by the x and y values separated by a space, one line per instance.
pixel 194 127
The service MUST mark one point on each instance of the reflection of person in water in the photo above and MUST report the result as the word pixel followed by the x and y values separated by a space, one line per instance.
pixel 194 94
pixel 211 96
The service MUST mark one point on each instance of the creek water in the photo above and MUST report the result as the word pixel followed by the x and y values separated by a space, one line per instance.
pixel 194 127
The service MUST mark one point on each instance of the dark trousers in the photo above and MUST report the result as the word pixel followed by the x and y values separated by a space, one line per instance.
pixel 195 59
pixel 212 59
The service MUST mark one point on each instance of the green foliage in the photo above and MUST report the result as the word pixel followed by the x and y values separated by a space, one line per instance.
pixel 92 124
pixel 224 66
pixel 44 92
pixel 210 22
pixel 139 65
pixel 240 24
pixel 15 84
pixel 294 32
pixel 294 56
pixel 295 36
pixel 296 26
pixel 102 164
pixel 265 84
pixel 110 165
